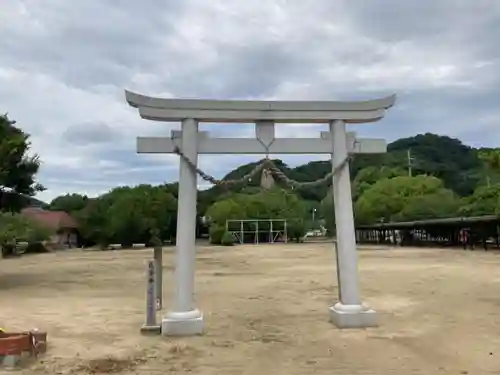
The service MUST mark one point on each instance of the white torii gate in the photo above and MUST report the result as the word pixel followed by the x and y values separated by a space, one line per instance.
pixel 185 318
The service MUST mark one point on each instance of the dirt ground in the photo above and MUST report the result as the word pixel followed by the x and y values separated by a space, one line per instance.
pixel 266 312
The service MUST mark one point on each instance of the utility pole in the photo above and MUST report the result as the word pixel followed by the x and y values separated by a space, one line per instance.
pixel 409 162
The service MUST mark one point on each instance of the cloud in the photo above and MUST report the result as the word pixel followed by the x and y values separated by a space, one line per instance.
pixel 88 133
pixel 64 66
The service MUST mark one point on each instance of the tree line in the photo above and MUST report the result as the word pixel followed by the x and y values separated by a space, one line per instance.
pixel 447 179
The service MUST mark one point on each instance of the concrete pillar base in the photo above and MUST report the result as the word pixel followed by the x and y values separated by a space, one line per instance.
pixel 189 323
pixel 150 330
pixel 353 316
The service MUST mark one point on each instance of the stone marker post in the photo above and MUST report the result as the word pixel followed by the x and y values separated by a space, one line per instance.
pixel 151 326
pixel 158 257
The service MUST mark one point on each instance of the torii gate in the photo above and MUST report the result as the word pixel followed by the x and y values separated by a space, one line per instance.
pixel 348 312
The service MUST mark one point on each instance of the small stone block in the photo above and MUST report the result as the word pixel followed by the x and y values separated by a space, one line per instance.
pixel 189 327
pixel 361 319
pixel 40 341
pixel 41 347
pixel 150 330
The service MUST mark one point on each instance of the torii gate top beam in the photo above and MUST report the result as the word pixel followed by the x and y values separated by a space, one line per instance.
pixel 234 111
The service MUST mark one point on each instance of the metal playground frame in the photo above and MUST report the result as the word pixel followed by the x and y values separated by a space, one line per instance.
pixel 274 229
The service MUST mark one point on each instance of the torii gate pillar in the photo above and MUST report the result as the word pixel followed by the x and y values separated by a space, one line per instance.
pixel 184 318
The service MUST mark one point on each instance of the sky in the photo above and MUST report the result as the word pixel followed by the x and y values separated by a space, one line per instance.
pixel 64 66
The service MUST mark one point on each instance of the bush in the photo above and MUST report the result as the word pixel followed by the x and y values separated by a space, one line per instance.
pixel 227 239
pixel 36 248
pixel 8 250
pixel 216 234
pixel 296 230
pixel 15 228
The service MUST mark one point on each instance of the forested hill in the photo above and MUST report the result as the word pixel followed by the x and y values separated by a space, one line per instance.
pixel 447 158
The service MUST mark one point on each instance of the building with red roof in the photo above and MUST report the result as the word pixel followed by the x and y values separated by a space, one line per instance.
pixel 64 226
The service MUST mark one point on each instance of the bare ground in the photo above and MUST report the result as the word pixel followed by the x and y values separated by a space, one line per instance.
pixel 266 312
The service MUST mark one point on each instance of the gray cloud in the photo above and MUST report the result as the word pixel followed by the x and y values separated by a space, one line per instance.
pixel 64 66
pixel 90 133
pixel 90 42
pixel 451 21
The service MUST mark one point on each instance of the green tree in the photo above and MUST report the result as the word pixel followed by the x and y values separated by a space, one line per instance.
pixel 17 168
pixel 368 176
pixel 93 221
pixel 441 204
pixel 15 228
pixel 490 174
pixel 491 157
pixel 128 215
pixel 231 208
pixel 484 201
pixel 69 203
pixel 364 179
pixel 388 199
